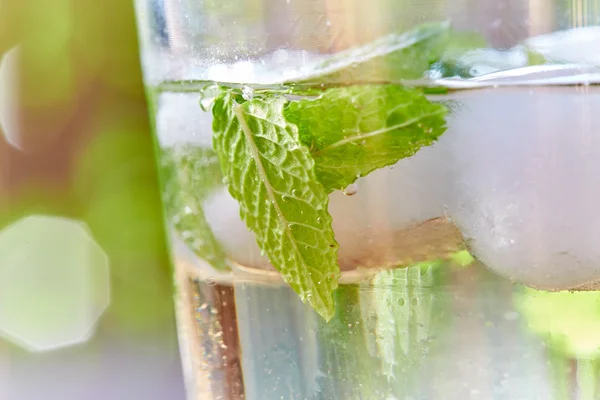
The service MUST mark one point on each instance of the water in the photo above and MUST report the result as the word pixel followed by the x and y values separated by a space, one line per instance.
pixel 436 331
pixel 513 181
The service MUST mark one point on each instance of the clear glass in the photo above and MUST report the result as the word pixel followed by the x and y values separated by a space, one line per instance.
pixel 467 269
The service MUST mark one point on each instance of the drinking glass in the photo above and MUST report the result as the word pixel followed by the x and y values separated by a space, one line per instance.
pixel 392 199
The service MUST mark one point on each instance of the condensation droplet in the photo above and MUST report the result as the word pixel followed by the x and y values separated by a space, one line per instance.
pixel 351 189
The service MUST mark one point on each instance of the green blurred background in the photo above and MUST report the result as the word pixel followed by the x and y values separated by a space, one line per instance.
pixel 86 153
pixel 86 146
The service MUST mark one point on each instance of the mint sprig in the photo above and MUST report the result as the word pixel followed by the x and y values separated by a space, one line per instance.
pixel 281 156
pixel 271 174
pixel 355 130
pixel 190 175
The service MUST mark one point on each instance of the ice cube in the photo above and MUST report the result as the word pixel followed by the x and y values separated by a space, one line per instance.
pixel 579 45
pixel 389 200
pixel 279 66
pixel 526 165
pixel 180 119
pixel 386 201
pixel 222 213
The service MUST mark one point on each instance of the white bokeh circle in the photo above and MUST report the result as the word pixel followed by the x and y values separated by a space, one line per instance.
pixel 54 282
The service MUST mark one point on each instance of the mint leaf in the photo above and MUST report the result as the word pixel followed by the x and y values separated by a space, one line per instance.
pixel 272 177
pixel 355 130
pixel 393 57
pixel 386 324
pixel 190 174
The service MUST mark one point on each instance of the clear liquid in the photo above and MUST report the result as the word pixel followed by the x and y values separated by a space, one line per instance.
pixel 515 176
pixel 430 332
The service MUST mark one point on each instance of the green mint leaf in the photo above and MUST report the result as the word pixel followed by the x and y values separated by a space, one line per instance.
pixel 190 174
pixel 355 130
pixel 394 57
pixel 271 175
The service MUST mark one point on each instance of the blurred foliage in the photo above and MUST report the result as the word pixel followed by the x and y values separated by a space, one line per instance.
pixel 569 322
pixel 569 325
pixel 88 151
pixel 10 26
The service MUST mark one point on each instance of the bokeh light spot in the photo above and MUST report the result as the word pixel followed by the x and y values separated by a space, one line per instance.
pixel 54 282
pixel 8 97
